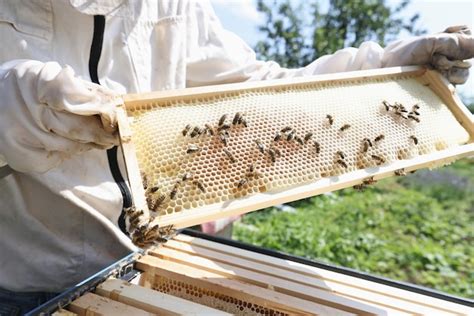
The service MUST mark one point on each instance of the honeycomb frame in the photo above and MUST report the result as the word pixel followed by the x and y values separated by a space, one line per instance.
pixel 430 82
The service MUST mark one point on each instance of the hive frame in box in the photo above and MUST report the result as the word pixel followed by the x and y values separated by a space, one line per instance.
pixel 257 201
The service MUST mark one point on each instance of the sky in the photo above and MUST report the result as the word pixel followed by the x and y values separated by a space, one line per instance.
pixel 242 18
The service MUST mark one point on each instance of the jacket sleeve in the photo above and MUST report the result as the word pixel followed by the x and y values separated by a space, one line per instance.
pixel 215 55
pixel 48 114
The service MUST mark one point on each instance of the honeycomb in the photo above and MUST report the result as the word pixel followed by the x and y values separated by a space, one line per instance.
pixel 350 129
pixel 210 298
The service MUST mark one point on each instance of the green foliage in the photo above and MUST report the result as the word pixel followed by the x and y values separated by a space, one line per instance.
pixel 297 35
pixel 417 228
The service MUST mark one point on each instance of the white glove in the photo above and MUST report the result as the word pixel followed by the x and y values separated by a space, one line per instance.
pixel 445 51
pixel 48 114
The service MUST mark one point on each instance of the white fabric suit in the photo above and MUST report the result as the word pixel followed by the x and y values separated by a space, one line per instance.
pixel 60 208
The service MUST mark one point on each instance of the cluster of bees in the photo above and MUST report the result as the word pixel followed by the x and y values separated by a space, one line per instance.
pixel 221 131
pixel 399 110
pixel 154 198
pixel 144 231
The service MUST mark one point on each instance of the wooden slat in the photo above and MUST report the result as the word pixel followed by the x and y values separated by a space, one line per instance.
pixel 131 162
pixel 442 305
pixel 234 288
pixel 278 284
pixel 152 301
pixel 334 290
pixel 94 305
pixel 63 312
pixel 446 91
pixel 133 100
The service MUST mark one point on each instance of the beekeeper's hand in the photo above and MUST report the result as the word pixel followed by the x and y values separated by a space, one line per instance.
pixel 446 51
pixel 48 114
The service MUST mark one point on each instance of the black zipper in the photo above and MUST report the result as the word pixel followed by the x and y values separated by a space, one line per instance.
pixel 94 57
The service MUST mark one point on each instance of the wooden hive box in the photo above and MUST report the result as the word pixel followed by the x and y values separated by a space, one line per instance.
pixel 195 276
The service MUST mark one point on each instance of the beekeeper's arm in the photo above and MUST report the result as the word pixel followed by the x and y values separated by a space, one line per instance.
pixel 48 114
pixel 219 56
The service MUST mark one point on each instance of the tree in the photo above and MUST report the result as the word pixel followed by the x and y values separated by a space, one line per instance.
pixel 297 34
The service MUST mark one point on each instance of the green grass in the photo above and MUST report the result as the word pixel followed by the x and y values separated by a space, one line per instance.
pixel 417 228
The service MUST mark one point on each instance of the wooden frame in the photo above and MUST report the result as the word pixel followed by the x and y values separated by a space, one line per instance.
pixel 152 301
pixel 246 204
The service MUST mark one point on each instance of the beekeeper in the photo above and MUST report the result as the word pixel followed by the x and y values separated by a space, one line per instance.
pixel 63 63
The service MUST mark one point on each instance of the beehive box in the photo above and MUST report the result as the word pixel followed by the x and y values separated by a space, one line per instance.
pixel 200 154
pixel 194 276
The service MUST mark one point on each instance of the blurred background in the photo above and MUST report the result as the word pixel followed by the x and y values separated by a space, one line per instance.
pixel 418 228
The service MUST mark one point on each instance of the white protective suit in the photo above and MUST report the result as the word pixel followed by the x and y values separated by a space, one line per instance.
pixel 60 208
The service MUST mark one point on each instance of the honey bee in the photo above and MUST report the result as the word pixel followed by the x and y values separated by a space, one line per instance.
pixel 251 168
pixel 209 129
pixel 196 132
pixel 135 215
pixel 400 172
pixel 379 138
pixel 277 151
pixel 330 119
pixel 286 129
pixel 153 189
pixel 386 105
pixel 261 147
pixel 229 155
pixel 277 137
pixel 359 187
pixel 379 160
pixel 341 154
pixel 317 147
pixel 192 149
pixel 129 210
pixel 299 140
pixel 200 186
pixel 186 130
pixel 415 140
pixel 243 122
pixel 174 190
pixel 415 107
pixel 414 118
pixel 251 172
pixel 153 204
pixel 366 143
pixel 144 180
pixel 187 176
pixel 369 180
pixel 159 201
pixel 272 154
pixel 152 233
pixel 291 135
pixel 307 137
pixel 342 163
pixel 222 119
pixel 237 118
pixel 242 183
pixel 223 127
pixel 224 136
pixel 402 115
pixel 135 221
pixel 344 127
